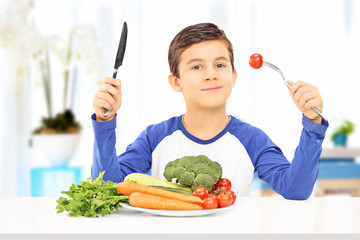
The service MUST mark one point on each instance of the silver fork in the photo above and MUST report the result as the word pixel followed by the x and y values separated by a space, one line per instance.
pixel 272 66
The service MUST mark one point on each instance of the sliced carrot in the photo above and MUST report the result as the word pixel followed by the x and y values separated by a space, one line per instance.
pixel 143 200
pixel 127 188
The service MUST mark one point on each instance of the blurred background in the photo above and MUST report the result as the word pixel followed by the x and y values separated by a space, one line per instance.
pixel 55 53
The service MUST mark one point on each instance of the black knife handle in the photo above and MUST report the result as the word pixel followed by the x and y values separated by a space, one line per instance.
pixel 105 110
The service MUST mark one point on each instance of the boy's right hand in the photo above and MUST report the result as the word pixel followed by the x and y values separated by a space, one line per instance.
pixel 108 96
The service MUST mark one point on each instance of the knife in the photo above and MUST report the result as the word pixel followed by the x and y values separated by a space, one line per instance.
pixel 119 58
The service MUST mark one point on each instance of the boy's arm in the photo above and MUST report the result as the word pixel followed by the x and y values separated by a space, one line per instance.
pixel 136 158
pixel 295 180
pixel 104 151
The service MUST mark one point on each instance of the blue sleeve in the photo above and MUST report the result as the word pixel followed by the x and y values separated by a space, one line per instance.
pixel 295 180
pixel 136 158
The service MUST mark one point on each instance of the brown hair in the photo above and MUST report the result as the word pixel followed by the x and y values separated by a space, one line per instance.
pixel 195 34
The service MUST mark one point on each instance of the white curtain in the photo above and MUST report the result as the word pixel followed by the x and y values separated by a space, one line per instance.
pixel 313 41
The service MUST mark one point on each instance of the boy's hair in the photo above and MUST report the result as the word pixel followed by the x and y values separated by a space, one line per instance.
pixel 195 34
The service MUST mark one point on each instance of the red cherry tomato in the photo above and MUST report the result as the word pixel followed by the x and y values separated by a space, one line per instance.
pixel 233 197
pixel 212 190
pixel 223 184
pixel 256 60
pixel 201 192
pixel 225 199
pixel 210 202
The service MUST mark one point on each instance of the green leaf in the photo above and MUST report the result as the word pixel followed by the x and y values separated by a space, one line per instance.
pixel 91 197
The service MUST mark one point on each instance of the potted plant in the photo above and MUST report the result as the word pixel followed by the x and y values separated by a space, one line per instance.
pixel 339 137
pixel 30 51
pixel 59 135
pixel 58 138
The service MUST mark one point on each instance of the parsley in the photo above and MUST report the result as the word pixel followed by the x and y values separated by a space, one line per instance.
pixel 91 197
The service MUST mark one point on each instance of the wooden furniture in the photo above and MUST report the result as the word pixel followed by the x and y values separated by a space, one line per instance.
pixel 339 173
pixel 339 186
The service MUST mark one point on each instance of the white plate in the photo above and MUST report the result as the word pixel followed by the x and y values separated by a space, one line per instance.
pixel 179 213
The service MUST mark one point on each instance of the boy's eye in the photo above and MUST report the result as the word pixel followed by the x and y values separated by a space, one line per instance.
pixel 197 67
pixel 220 65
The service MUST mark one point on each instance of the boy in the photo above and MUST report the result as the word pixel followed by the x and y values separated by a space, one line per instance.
pixel 202 68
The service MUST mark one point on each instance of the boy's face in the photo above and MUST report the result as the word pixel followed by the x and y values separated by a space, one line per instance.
pixel 206 76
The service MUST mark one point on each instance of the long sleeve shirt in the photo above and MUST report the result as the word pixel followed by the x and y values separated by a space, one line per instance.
pixel 240 148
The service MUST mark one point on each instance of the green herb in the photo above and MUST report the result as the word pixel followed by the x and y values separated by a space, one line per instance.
pixel 91 197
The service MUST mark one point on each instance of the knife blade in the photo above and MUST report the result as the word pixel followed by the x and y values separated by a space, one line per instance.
pixel 119 57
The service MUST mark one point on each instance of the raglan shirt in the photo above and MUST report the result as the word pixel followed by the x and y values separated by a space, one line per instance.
pixel 240 148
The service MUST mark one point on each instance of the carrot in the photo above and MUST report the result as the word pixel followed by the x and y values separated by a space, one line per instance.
pixel 143 200
pixel 127 188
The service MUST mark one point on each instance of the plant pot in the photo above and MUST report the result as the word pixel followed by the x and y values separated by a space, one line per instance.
pixel 57 148
pixel 340 139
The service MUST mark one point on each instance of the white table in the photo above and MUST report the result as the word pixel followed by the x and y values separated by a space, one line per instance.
pixel 37 218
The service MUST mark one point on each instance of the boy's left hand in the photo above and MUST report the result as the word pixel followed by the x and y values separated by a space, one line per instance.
pixel 306 96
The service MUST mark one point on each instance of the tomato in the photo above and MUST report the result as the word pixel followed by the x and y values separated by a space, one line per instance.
pixel 233 197
pixel 224 199
pixel 212 190
pixel 210 202
pixel 201 192
pixel 256 61
pixel 223 184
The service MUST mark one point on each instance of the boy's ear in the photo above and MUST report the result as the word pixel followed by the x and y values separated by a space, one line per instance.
pixel 174 82
pixel 234 77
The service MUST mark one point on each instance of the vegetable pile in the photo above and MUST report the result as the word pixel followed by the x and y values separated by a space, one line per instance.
pixel 193 172
pixel 203 189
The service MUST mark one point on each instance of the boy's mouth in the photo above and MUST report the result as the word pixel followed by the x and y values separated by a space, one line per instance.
pixel 211 89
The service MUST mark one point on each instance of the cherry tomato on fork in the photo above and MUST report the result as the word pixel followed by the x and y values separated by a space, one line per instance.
pixel 256 60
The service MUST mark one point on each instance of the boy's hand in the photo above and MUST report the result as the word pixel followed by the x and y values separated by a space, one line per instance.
pixel 108 96
pixel 306 96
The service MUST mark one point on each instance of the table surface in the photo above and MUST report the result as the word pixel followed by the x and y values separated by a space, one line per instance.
pixel 338 214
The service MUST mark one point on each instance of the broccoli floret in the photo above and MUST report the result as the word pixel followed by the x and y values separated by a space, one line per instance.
pixel 178 171
pixel 169 173
pixel 184 161
pixel 217 169
pixel 187 179
pixel 211 169
pixel 193 171
pixel 204 180
pixel 203 159
pixel 175 163
pixel 201 168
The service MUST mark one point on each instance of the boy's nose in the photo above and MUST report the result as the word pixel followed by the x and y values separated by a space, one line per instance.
pixel 210 75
